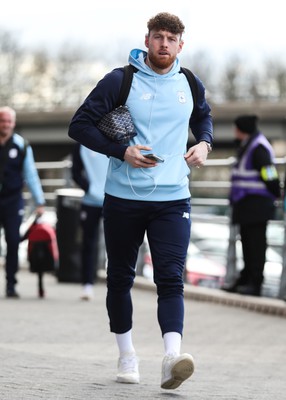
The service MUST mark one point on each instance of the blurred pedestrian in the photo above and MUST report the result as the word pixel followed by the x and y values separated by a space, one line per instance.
pixel 17 167
pixel 89 171
pixel 254 188
pixel 149 194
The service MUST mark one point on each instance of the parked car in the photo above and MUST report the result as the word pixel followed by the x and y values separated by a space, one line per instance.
pixel 207 258
pixel 200 270
pixel 217 250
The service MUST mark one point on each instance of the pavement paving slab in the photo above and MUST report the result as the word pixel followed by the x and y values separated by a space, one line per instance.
pixel 60 347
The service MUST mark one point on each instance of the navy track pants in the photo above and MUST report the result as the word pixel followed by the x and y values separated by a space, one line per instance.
pixel 167 225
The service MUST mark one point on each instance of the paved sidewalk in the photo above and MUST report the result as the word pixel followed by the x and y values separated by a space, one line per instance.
pixel 61 347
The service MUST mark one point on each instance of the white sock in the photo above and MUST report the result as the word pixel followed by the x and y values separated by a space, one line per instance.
pixel 88 288
pixel 124 342
pixel 172 343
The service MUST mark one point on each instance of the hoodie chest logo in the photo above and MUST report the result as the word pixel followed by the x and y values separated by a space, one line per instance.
pixel 13 153
pixel 181 97
pixel 146 96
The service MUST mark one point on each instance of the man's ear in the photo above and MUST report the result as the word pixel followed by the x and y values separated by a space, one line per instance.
pixel 181 46
pixel 147 41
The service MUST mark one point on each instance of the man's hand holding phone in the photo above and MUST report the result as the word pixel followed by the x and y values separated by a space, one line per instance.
pixel 154 157
pixel 136 159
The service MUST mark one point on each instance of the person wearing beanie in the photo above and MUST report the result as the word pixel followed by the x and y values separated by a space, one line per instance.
pixel 246 123
pixel 254 188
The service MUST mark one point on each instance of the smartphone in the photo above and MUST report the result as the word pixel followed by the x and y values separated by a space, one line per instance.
pixel 154 157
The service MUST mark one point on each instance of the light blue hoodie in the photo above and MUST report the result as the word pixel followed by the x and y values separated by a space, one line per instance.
pixel 160 106
pixel 95 166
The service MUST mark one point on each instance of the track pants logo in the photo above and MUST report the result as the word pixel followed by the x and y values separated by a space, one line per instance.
pixel 186 215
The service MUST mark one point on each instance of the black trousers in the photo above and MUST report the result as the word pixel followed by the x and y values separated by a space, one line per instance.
pixel 10 219
pixel 254 244
pixel 90 219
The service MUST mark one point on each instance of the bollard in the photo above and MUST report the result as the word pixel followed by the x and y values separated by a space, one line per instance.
pixel 231 272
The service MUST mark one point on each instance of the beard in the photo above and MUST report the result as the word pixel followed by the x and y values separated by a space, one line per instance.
pixel 161 63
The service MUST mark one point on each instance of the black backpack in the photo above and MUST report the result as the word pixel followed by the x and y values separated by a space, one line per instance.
pixel 42 247
pixel 129 70
pixel 40 257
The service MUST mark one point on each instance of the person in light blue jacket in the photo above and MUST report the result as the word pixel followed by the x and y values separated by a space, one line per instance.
pixel 144 195
pixel 89 172
pixel 17 167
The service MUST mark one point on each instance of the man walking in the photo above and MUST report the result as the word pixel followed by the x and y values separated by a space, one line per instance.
pixel 149 195
pixel 16 167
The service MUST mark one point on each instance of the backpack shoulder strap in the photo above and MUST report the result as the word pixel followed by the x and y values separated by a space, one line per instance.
pixel 193 84
pixel 128 71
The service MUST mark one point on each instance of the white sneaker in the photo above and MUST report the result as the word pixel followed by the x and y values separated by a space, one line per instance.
pixel 87 293
pixel 128 369
pixel 175 370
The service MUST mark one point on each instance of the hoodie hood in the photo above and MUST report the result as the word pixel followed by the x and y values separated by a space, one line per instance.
pixel 137 59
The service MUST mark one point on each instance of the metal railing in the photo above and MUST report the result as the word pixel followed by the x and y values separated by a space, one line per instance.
pixel 231 257
pixel 61 177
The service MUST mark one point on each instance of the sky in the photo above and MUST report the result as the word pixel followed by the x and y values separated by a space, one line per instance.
pixel 251 28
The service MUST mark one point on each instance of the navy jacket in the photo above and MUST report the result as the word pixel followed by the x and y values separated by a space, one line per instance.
pixel 19 169
pixel 103 99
